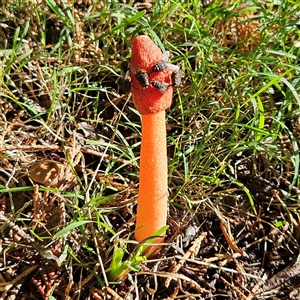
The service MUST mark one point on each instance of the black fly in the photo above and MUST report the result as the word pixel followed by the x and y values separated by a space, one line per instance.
pixel 143 78
pixel 141 75
pixel 160 85
pixel 160 66
pixel 165 65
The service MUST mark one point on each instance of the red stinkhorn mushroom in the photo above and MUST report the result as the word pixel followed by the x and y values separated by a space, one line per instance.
pixel 152 94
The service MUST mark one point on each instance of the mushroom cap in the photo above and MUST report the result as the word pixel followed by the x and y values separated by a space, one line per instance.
pixel 148 100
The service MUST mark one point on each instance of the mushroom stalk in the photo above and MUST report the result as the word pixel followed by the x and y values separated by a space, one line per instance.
pixel 153 187
pixel 152 89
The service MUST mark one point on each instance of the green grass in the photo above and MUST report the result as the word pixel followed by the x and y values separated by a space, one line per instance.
pixel 237 107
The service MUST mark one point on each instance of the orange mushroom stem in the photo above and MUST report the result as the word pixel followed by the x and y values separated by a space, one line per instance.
pixel 152 94
pixel 153 198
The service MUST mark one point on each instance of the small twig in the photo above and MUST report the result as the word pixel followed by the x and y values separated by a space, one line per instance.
pixel 177 277
pixel 113 293
pixel 192 252
pixel 90 276
pixel 30 148
pixel 95 293
pixel 234 288
pixel 38 148
pixel 278 280
pixel 226 232
pixel 45 253
pixel 225 227
pixel 28 239
pixel 6 286
pixel 202 263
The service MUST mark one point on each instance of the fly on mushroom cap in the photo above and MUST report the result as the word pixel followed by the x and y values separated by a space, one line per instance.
pixel 164 65
pixel 160 66
pixel 143 78
pixel 146 54
pixel 160 85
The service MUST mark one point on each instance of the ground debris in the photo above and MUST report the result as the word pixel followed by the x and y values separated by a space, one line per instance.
pixel 278 281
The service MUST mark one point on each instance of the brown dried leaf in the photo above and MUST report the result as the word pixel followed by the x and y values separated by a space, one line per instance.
pixel 46 172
